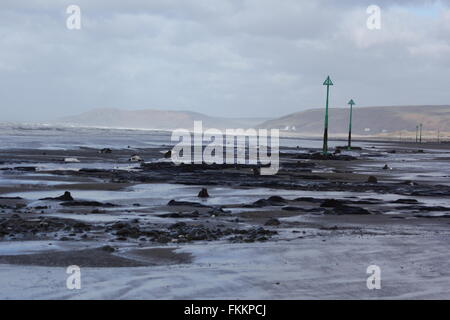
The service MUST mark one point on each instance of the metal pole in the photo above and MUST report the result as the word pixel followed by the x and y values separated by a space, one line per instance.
pixel 351 103
pixel 327 83
pixel 420 140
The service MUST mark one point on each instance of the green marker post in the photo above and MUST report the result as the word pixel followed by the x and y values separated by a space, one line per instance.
pixel 327 83
pixel 420 134
pixel 351 103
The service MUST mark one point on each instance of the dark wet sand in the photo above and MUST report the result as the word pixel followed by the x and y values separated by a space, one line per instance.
pixel 99 258
pixel 211 224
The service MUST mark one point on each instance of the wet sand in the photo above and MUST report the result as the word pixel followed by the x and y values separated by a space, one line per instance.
pixel 148 215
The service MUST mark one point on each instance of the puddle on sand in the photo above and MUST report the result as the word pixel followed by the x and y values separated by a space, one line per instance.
pixel 154 195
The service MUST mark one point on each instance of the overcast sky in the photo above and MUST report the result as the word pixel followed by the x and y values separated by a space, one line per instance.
pixel 234 58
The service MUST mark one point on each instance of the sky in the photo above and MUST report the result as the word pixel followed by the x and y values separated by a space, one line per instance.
pixel 232 58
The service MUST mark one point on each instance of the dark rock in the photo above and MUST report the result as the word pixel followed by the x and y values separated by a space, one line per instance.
pixel 277 199
pixel 406 201
pixel 27 169
pixel 309 199
pixel 168 154
pixel 341 210
pixel 272 222
pixel 291 208
pixel 203 193
pixel 433 217
pixel 132 232
pixel 424 208
pixel 372 179
pixel 386 167
pixel 86 204
pixel 332 203
pixel 184 203
pixel 271 201
pixel 65 197
pixel 193 214
pixel 217 211
pixel 409 182
pixel 40 208
pixel 178 225
pixel 108 248
pixel 105 150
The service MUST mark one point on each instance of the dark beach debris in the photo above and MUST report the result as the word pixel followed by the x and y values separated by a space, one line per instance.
pixel 272 222
pixel 340 208
pixel 291 208
pixel 97 211
pixel 18 225
pixel 93 170
pixel 446 216
pixel 192 214
pixel 218 211
pixel 372 179
pixel 346 147
pixel 332 203
pixel 350 210
pixel 65 197
pixel 105 150
pixel 409 182
pixel 135 158
pixel 406 201
pixel 25 169
pixel 203 193
pixel 186 203
pixel 189 167
pixel 424 208
pixel 269 202
pixel 182 232
pixel 107 248
pixel 253 235
pixel 87 204
pixel 309 199
pixel 213 212
pixel 277 199
pixel 386 167
pixel 83 258
pixel 321 156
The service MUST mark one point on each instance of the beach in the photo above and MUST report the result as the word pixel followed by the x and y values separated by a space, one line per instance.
pixel 138 230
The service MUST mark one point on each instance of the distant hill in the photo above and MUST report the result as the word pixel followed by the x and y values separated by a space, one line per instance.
pixel 366 120
pixel 154 119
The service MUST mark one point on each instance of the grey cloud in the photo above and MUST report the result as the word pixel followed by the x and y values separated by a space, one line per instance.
pixel 231 58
